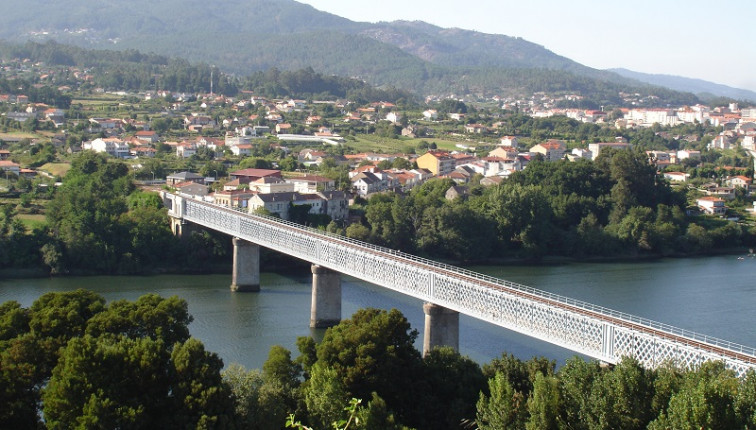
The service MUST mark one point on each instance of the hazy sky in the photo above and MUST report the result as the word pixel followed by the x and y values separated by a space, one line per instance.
pixel 705 39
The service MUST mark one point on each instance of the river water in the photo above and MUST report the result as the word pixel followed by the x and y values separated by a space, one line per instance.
pixel 713 295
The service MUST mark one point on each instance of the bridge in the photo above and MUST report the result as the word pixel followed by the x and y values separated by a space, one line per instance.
pixel 447 291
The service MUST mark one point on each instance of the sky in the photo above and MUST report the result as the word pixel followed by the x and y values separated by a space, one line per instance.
pixel 704 39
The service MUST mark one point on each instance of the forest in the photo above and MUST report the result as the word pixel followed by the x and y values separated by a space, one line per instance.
pixel 85 363
pixel 131 70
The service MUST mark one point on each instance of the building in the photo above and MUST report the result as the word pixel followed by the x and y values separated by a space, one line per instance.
pixel 676 176
pixel 711 205
pixel 552 150
pixel 438 162
pixel 596 148
pixel 178 178
pixel 112 146
pixel 311 183
pixel 9 166
pixel 255 174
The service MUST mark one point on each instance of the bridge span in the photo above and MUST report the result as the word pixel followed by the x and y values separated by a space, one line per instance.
pixel 594 331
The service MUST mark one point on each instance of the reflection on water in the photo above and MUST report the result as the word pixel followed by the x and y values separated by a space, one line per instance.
pixel 715 296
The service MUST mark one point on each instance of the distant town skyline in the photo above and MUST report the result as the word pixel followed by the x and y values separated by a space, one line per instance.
pixel 693 38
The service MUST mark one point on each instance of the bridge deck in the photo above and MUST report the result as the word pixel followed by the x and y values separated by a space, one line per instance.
pixel 595 331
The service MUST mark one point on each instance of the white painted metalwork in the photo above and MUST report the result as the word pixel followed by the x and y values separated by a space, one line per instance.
pixel 588 329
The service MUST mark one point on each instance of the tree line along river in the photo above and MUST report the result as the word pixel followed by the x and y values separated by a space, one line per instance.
pixel 715 296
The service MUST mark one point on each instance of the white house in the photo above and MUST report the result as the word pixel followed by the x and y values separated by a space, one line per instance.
pixel 242 150
pixel 430 114
pixel 112 146
pixel 676 176
pixel 394 117
pixel 711 205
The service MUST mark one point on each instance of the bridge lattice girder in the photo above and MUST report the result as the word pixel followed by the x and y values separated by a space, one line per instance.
pixel 588 329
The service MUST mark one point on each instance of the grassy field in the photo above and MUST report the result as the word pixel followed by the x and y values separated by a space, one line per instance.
pixel 57 169
pixel 17 135
pixel 372 143
pixel 32 221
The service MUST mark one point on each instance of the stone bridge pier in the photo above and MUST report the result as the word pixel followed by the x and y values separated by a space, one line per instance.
pixel 441 327
pixel 245 276
pixel 325 310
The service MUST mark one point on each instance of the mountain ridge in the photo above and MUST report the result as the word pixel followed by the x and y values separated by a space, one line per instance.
pixel 700 87
pixel 244 36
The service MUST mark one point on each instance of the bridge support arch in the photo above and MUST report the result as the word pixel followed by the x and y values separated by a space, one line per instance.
pixel 245 276
pixel 325 310
pixel 441 327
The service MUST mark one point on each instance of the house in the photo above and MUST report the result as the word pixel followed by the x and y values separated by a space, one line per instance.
pixel 430 114
pixel 438 162
pixel 337 204
pixel 277 203
pixel 686 153
pixel 269 185
pixel 365 183
pixel 582 153
pixel 509 141
pixel 196 122
pixel 490 181
pixel 727 193
pixel 551 150
pixel 191 188
pixel 676 176
pixel 596 148
pixel 456 191
pixel 739 181
pixel 4 154
pixel 143 151
pixel 186 149
pixel 503 152
pixel 178 178
pixel 111 145
pixel 720 142
pixel 9 166
pixel 711 205
pixel 241 150
pixel 394 117
pixel 233 198
pixel 283 128
pixel 255 174
pixel 476 129
pixel 147 136
pixel 311 183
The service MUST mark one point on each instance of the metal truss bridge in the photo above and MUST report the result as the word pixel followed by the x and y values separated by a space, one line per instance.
pixel 588 329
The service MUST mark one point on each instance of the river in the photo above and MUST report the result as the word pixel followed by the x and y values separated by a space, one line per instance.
pixel 713 295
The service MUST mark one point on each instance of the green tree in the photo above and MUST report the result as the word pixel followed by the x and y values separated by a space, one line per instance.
pixel 325 396
pixel 453 384
pixel 109 383
pixel 374 352
pixel 621 398
pixel 504 408
pixel 705 400
pixel 149 316
pixel 543 404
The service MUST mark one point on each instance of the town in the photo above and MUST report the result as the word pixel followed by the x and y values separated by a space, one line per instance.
pixel 214 133
pixel 319 161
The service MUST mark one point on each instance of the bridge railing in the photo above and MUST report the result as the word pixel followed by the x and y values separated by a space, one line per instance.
pixel 600 312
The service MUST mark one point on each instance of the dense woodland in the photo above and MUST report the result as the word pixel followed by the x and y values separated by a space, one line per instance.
pixel 98 222
pixel 131 70
pixel 85 363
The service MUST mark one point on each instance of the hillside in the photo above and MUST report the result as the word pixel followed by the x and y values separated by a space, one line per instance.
pixel 703 89
pixel 244 36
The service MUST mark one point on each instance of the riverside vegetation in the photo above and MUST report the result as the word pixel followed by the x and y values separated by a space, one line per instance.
pixel 85 363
